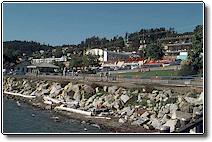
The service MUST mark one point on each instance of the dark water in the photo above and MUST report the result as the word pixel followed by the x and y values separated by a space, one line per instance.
pixel 26 119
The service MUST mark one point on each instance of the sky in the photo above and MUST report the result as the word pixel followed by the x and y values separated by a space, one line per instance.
pixel 70 23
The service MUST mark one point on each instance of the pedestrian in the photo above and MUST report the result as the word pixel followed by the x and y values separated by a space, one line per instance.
pixel 109 74
pixel 106 75
pixel 76 74
pixel 101 75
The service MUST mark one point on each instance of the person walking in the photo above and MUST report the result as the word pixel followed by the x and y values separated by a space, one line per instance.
pixel 101 75
pixel 106 76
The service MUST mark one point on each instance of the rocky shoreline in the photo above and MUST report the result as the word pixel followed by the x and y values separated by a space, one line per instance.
pixel 119 109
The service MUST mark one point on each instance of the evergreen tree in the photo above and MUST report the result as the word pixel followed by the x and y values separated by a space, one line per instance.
pixel 194 62
pixel 155 51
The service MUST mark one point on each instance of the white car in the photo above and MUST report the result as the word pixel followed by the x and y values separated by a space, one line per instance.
pixel 134 67
pixel 166 64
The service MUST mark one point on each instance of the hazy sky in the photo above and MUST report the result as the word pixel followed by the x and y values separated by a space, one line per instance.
pixel 71 23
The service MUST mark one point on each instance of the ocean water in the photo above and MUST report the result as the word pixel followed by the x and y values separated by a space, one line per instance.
pixel 27 119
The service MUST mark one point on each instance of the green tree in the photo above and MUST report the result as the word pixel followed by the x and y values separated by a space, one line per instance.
pixel 194 54
pixel 155 51
pixel 194 63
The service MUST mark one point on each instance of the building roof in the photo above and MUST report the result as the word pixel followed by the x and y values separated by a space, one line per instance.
pixel 43 65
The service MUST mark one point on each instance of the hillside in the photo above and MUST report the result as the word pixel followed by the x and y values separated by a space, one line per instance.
pixel 131 42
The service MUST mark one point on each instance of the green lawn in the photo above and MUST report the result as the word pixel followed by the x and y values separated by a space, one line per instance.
pixel 154 73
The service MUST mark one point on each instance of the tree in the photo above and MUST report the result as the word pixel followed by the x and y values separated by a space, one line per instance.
pixel 155 51
pixel 194 62
pixel 76 62
pixel 194 54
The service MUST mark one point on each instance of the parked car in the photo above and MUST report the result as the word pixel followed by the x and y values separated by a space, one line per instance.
pixel 134 67
pixel 116 68
pixel 166 64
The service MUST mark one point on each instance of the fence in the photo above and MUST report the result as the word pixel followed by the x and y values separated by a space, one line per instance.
pixel 163 80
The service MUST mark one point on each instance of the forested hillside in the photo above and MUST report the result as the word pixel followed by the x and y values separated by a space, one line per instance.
pixel 15 49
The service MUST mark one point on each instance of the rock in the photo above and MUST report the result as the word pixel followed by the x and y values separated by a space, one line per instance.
pixel 152 96
pixel 179 115
pixel 156 123
pixel 105 88
pixel 119 91
pixel 195 109
pixel 141 96
pixel 146 126
pixel 145 114
pixel 165 118
pixel 135 92
pixel 117 104
pixel 190 100
pixel 121 120
pixel 90 100
pixel 97 89
pixel 165 99
pixel 55 87
pixel 128 111
pixel 201 97
pixel 173 124
pixel 48 107
pixel 97 102
pixel 140 121
pixel 185 106
pixel 77 96
pixel 112 89
pixel 173 108
pixel 180 99
pixel 155 92
pixel 67 94
pixel 75 88
pixel 88 89
pixel 68 87
pixel 124 98
pixel 109 97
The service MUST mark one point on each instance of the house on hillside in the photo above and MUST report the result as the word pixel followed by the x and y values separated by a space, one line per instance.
pixel 175 45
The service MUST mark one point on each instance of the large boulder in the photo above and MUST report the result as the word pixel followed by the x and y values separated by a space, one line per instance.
pixel 173 124
pixel 124 98
pixel 140 121
pixel 75 88
pixel 77 96
pixel 128 111
pixel 156 123
pixel 181 115
pixel 88 89
pixel 68 87
pixel 90 100
pixel 173 108
pixel 112 89
pixel 97 102
pixel 185 106
pixel 55 88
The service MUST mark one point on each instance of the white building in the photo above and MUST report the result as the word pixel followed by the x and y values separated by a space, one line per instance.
pixel 109 55
pixel 102 54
